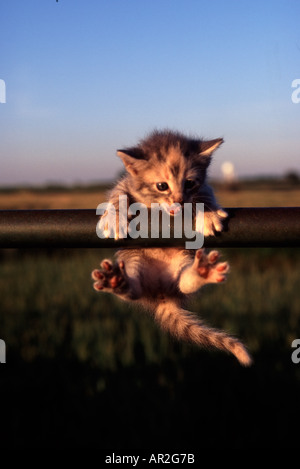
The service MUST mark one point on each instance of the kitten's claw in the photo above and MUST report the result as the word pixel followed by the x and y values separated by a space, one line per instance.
pixel 213 222
pixel 208 268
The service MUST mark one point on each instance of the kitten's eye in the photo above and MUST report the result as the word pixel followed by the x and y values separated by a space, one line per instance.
pixel 162 186
pixel 189 184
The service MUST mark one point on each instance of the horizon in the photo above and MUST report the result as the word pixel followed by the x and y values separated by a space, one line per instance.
pixel 290 177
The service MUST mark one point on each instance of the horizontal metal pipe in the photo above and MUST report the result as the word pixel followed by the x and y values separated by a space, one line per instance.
pixel 245 227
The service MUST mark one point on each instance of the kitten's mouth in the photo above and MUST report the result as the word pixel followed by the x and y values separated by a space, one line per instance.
pixel 173 209
pixel 174 212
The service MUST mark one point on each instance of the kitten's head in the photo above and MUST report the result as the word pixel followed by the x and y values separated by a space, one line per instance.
pixel 167 167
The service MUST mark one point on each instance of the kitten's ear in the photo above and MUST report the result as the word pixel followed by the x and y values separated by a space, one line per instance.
pixel 208 147
pixel 133 160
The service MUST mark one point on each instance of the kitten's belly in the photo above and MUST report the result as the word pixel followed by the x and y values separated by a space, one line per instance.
pixel 158 269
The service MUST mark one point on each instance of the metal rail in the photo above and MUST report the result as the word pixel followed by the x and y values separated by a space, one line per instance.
pixel 245 227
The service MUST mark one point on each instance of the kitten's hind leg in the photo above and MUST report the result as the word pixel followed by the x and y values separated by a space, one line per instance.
pixel 208 267
pixel 205 269
pixel 110 277
pixel 113 278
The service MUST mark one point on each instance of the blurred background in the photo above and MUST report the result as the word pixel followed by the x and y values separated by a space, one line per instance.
pixel 81 80
pixel 85 78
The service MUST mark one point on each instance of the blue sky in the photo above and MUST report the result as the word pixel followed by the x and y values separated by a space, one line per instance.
pixel 85 77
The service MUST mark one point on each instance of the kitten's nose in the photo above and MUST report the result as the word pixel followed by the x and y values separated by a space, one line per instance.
pixel 178 200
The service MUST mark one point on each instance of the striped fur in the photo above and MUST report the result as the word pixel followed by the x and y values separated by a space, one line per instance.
pixel 186 326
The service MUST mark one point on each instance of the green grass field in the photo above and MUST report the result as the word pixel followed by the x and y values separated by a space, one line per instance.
pixel 47 303
pixel 87 370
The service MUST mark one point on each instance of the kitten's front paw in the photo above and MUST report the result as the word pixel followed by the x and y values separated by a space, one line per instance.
pixel 213 222
pixel 209 268
pixel 109 227
pixel 111 277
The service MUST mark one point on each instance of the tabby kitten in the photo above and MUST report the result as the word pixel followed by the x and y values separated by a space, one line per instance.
pixel 168 167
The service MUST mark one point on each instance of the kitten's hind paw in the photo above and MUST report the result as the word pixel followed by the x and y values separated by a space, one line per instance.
pixel 111 277
pixel 209 268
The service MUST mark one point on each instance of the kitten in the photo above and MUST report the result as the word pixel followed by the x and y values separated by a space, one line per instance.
pixel 168 167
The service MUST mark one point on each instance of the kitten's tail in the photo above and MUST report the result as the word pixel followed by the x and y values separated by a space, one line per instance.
pixel 185 325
